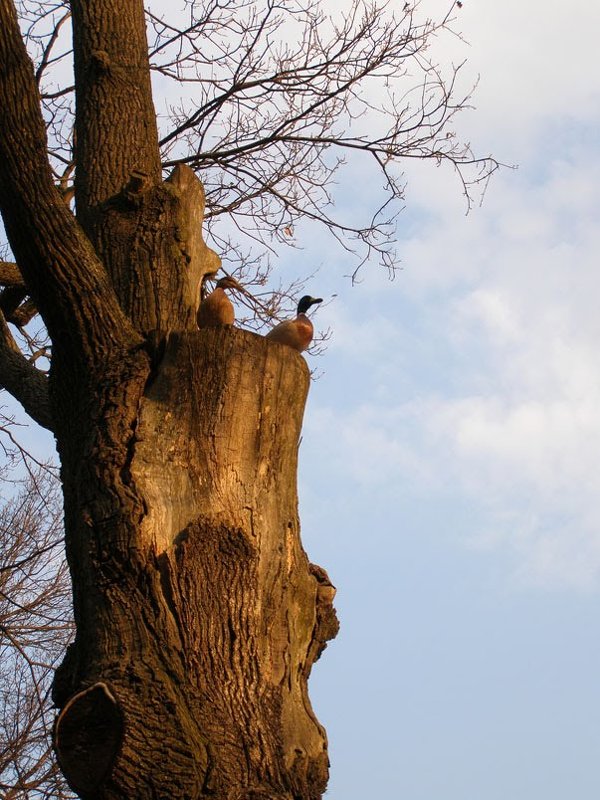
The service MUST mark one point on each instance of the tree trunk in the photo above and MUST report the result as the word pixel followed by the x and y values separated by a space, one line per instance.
pixel 198 614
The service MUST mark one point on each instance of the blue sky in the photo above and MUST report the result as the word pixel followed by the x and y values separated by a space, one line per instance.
pixel 450 464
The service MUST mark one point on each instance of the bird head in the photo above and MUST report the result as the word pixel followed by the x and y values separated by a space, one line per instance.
pixel 306 302
pixel 228 283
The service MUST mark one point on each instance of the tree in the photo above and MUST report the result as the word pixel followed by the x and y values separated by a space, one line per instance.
pixel 198 616
pixel 35 628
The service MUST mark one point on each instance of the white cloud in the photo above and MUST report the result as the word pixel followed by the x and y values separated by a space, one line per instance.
pixel 479 364
pixel 507 305
pixel 537 68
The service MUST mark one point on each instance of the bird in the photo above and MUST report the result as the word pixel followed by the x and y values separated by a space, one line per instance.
pixel 296 333
pixel 216 308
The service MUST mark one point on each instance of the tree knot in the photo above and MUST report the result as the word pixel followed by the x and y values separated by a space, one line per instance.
pixel 87 737
pixel 101 60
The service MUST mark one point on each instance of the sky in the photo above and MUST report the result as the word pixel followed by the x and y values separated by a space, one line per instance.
pixel 450 462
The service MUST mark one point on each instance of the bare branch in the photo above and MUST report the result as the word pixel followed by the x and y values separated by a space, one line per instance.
pixel 46 56
pixel 27 385
pixel 21 378
pixel 57 262
pixel 35 625
pixel 286 98
pixel 283 101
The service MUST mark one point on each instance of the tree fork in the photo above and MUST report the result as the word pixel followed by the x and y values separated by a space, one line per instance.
pixel 150 240
pixel 188 677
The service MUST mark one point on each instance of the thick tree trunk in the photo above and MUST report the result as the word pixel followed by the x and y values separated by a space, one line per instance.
pixel 198 614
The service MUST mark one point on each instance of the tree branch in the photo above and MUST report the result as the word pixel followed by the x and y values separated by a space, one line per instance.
pixel 22 380
pixel 46 56
pixel 115 115
pixel 67 281
pixel 10 274
pixel 277 115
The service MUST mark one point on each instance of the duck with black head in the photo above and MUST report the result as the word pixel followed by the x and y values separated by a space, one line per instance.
pixel 298 332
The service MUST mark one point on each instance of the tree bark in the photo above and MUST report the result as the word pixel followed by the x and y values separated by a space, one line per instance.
pixel 116 131
pixel 10 275
pixel 198 615
pixel 147 233
pixel 60 267
pixel 197 610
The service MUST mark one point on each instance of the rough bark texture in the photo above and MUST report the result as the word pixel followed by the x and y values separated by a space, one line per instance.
pixel 146 232
pixel 200 611
pixel 198 615
pixel 151 242
pixel 10 275
pixel 62 270
pixel 115 119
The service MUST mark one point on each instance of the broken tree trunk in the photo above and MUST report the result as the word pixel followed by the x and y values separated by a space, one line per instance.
pixel 198 614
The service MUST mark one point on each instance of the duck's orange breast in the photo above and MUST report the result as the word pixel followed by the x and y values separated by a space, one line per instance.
pixel 215 310
pixel 296 333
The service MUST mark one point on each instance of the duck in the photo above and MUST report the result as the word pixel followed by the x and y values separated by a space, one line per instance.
pixel 296 333
pixel 216 308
